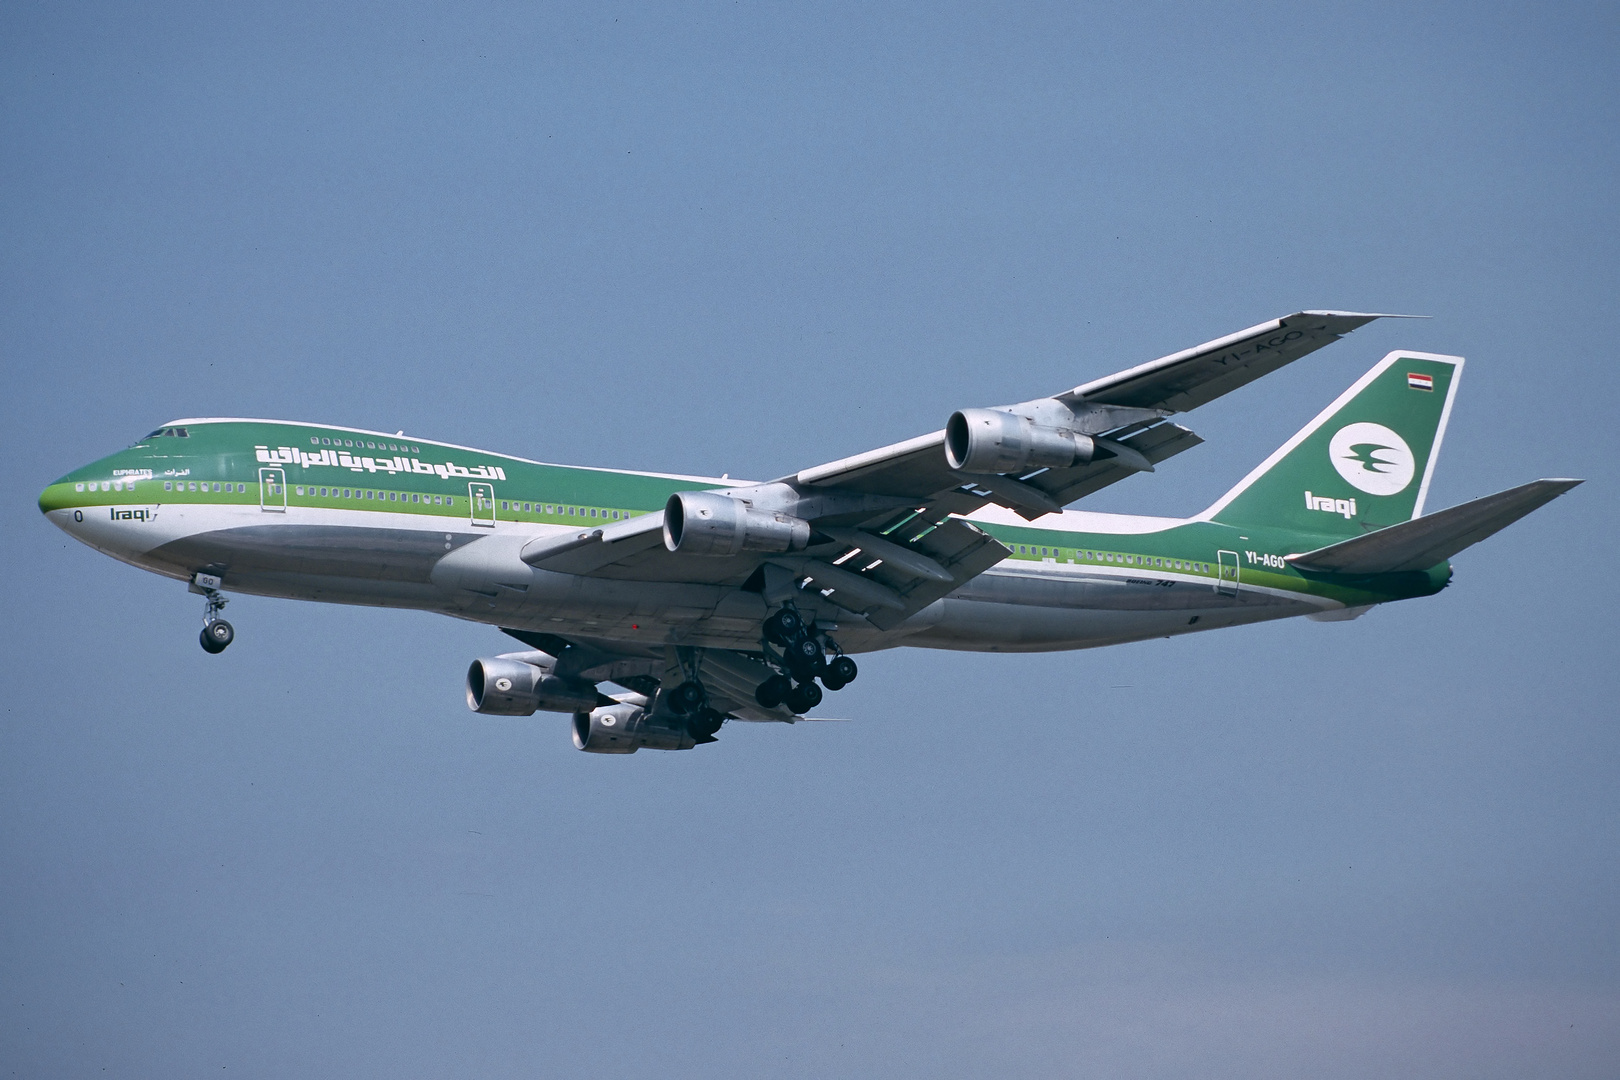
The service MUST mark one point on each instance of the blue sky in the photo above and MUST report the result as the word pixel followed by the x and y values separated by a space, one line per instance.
pixel 747 239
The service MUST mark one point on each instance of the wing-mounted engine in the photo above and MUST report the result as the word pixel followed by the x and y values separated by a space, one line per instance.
pixel 521 684
pixel 1037 456
pixel 715 524
pixel 626 728
pixel 1005 441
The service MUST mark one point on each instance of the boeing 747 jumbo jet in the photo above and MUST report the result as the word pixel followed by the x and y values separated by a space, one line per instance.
pixel 653 608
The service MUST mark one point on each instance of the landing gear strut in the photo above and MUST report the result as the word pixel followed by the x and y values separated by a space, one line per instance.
pixel 216 632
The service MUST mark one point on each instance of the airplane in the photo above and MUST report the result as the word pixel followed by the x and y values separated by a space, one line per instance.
pixel 654 607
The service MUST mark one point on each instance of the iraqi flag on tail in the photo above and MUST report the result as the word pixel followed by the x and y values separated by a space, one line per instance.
pixel 1415 381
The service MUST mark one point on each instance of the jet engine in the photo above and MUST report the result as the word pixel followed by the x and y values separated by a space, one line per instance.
pixel 507 686
pixel 993 441
pixel 705 523
pixel 624 729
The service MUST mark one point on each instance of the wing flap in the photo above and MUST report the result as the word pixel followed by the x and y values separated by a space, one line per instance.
pixel 1157 443
pixel 957 547
pixel 586 550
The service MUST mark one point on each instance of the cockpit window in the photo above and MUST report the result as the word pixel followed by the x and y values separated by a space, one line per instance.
pixel 175 432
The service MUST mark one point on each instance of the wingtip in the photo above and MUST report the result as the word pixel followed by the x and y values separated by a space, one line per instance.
pixel 1366 315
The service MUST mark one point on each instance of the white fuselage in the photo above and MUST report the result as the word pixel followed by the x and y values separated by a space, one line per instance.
pixel 474 572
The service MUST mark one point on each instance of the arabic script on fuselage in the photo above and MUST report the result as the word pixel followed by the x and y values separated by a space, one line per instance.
pixel 342 459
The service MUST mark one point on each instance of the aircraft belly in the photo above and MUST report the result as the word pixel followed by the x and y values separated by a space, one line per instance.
pixel 324 551
pixel 477 574
pixel 1024 612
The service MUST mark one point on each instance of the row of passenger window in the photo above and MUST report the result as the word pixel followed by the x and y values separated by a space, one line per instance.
pixel 362 444
pixel 1082 555
pixel 203 485
pixel 378 496
pixel 563 510
pixel 108 485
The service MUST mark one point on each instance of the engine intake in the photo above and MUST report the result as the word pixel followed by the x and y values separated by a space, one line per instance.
pixel 992 441
pixel 503 686
pixel 624 729
pixel 704 523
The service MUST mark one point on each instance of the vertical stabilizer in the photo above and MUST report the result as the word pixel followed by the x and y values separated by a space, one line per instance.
pixel 1364 463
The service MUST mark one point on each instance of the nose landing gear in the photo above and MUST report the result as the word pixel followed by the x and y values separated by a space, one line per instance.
pixel 216 632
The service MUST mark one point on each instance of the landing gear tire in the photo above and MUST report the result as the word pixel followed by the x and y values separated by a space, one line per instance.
pixel 703 725
pixel 831 683
pixel 804 697
pixel 804 658
pixel 773 691
pixel 842 670
pixel 783 626
pixel 216 636
pixel 688 697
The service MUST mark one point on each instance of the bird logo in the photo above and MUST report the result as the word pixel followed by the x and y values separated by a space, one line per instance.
pixel 1372 458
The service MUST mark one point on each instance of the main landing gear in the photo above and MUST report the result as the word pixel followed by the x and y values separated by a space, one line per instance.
pixel 690 700
pixel 216 632
pixel 802 660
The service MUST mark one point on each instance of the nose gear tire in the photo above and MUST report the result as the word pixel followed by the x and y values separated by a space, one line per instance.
pixel 216 636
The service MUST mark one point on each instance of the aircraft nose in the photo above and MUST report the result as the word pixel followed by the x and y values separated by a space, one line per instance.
pixel 57 496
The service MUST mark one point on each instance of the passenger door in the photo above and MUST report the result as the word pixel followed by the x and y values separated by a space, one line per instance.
pixel 481 497
pixel 1227 582
pixel 273 490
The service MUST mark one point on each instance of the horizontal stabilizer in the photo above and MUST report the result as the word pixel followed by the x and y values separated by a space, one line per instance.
pixel 1427 541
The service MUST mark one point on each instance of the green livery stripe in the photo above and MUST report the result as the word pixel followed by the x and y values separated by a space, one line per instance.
pixel 242 463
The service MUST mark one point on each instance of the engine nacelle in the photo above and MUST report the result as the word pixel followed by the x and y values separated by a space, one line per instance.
pixel 704 523
pixel 624 729
pixel 503 686
pixel 992 441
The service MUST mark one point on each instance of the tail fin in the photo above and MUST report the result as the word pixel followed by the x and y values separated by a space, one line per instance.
pixel 1364 463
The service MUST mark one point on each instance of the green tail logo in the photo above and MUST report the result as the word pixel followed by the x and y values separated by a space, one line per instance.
pixel 1364 463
